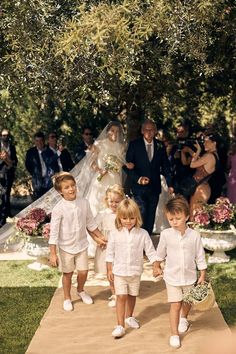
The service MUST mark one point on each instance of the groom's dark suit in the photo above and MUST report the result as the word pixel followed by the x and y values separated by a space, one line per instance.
pixel 147 196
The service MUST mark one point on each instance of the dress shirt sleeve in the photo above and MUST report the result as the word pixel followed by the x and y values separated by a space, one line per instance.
pixel 200 254
pixel 55 227
pixel 91 224
pixel 161 249
pixel 110 251
pixel 149 249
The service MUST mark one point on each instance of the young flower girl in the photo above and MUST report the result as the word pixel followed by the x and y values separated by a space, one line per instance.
pixel 106 223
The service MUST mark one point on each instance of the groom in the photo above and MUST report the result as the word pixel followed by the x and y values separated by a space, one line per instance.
pixel 150 160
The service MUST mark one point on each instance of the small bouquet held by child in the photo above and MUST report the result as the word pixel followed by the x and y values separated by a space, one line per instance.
pixel 201 296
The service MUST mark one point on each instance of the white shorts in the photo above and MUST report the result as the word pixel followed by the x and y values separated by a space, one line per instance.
pixel 69 262
pixel 175 293
pixel 127 285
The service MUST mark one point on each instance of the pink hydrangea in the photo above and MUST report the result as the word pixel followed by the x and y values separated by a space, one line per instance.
pixel 46 231
pixel 26 225
pixel 37 214
pixel 201 217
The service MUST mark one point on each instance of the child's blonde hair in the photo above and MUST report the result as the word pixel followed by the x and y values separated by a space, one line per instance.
pixel 117 189
pixel 128 208
pixel 60 177
pixel 177 204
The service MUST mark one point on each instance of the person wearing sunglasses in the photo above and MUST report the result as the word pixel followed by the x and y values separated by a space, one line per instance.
pixel 85 144
pixel 56 156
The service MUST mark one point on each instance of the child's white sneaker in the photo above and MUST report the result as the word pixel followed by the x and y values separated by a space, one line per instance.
pixel 86 298
pixel 175 342
pixel 112 302
pixel 132 322
pixel 183 325
pixel 118 331
pixel 67 305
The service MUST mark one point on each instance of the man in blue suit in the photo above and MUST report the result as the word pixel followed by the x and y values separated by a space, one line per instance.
pixel 150 160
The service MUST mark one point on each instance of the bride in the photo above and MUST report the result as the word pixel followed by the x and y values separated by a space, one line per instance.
pixel 100 168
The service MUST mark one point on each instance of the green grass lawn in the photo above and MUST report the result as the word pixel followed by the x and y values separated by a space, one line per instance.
pixel 24 297
pixel 223 278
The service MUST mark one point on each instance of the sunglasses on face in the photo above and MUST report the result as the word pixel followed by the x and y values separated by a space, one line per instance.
pixel 52 136
pixel 88 133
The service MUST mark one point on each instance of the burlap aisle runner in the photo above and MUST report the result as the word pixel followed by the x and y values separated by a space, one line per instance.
pixel 88 328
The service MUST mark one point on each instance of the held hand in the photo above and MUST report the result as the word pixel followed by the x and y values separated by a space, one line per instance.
pixel 130 165
pixel 101 241
pixel 171 190
pixel 157 271
pixel 201 280
pixel 53 259
pixel 110 276
pixel 144 180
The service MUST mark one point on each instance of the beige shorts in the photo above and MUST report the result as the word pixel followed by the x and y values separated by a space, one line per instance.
pixel 69 262
pixel 127 285
pixel 175 293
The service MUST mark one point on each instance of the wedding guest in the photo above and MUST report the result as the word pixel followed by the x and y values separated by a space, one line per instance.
pixel 124 259
pixel 69 221
pixel 231 180
pixel 8 163
pixel 182 250
pixel 85 144
pixel 57 158
pixel 36 166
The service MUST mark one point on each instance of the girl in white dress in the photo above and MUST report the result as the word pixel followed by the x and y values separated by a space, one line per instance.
pixel 106 223
pixel 107 156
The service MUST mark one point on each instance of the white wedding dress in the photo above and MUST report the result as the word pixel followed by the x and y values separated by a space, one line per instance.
pixel 86 179
pixel 106 150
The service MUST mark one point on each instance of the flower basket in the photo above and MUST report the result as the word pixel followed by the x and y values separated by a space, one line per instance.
pixel 202 297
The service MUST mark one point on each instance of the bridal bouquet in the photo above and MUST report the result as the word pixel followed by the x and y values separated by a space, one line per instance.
pixel 218 216
pixel 111 164
pixel 35 223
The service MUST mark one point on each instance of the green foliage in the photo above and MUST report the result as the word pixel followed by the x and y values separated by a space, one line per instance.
pixel 67 63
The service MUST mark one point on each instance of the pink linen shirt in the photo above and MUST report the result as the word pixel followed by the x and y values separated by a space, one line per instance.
pixel 125 250
pixel 69 222
pixel 183 255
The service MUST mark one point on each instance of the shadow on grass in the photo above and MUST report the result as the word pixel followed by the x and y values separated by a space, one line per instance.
pixel 21 310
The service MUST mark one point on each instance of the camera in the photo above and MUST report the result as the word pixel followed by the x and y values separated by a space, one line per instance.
pixel 190 142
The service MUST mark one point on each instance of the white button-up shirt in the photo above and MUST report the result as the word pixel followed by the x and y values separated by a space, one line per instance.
pixel 183 255
pixel 125 250
pixel 68 225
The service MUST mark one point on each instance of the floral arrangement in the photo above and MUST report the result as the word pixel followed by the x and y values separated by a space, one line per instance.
pixel 111 164
pixel 35 223
pixel 218 216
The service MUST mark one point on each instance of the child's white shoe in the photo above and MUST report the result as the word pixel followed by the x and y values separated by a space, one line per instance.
pixel 86 298
pixel 112 302
pixel 132 322
pixel 118 332
pixel 67 305
pixel 174 342
pixel 183 325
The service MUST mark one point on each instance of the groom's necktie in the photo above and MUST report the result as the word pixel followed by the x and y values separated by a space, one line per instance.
pixel 149 151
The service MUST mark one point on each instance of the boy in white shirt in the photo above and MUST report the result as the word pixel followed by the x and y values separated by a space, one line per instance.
pixel 124 257
pixel 182 250
pixel 71 217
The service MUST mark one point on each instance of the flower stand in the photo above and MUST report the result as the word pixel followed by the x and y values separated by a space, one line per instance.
pixel 37 247
pixel 218 241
